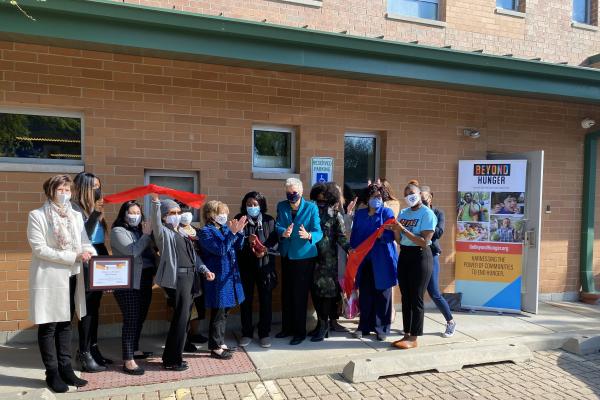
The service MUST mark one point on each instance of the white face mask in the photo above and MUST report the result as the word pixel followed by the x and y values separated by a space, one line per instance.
pixel 221 219
pixel 63 198
pixel 412 199
pixel 174 220
pixel 134 219
pixel 186 218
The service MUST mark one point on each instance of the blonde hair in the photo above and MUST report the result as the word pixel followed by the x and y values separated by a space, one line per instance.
pixel 294 182
pixel 213 208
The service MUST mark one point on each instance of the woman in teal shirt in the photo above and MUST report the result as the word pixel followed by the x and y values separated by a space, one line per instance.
pixel 413 230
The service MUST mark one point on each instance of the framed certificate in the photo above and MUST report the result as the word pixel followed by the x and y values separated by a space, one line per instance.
pixel 110 272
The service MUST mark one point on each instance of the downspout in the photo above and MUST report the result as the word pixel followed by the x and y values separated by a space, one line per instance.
pixel 586 259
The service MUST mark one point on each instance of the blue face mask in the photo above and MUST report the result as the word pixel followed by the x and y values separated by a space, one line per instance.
pixel 375 203
pixel 253 211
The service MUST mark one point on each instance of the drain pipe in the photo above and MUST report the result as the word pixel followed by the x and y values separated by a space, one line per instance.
pixel 586 259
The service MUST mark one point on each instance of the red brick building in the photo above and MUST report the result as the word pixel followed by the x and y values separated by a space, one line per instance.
pixel 208 96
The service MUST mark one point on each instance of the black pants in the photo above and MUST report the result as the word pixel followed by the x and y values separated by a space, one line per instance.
pixel 134 306
pixel 251 277
pixel 415 265
pixel 216 328
pixel 88 325
pixel 200 307
pixel 375 305
pixel 296 280
pixel 182 301
pixel 326 307
pixel 54 338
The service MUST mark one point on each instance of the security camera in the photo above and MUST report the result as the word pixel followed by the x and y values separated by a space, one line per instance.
pixel 587 123
pixel 471 133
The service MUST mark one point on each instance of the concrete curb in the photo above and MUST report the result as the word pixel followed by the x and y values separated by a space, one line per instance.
pixel 583 344
pixel 34 394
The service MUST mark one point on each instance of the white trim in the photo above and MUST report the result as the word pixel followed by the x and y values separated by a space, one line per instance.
pixel 312 3
pixel 276 128
pixel 586 27
pixel 510 13
pixel 23 164
pixel 377 137
pixel 416 20
pixel 274 175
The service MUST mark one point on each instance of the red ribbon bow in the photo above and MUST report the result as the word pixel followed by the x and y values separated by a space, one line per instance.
pixel 191 199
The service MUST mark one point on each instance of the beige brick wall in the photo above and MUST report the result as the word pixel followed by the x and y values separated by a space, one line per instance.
pixel 545 32
pixel 146 113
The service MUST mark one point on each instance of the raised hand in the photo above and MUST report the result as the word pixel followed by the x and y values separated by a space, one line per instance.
pixel 303 233
pixel 288 231
pixel 351 205
pixel 155 197
pixel 146 228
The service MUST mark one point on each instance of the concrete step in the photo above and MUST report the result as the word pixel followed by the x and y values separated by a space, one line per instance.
pixel 440 358
pixel 582 344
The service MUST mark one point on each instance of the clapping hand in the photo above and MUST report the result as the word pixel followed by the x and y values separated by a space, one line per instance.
pixel 351 205
pixel 236 225
pixel 288 231
pixel 303 233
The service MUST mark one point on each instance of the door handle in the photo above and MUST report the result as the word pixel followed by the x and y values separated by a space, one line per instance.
pixel 530 238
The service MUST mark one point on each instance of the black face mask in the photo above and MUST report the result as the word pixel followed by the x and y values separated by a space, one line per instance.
pixel 293 197
pixel 321 204
pixel 97 194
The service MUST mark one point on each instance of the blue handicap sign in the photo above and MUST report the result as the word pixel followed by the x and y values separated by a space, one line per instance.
pixel 322 177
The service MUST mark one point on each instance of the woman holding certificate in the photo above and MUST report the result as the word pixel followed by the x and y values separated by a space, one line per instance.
pixel 59 245
pixel 179 271
pixel 131 236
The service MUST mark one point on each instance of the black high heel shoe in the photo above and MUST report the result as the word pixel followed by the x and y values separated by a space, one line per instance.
pixel 88 364
pixel 100 359
pixel 68 376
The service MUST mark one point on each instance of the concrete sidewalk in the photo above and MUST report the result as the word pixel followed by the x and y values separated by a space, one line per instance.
pixel 21 369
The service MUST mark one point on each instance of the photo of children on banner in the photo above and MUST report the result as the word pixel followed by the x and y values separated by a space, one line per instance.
pixel 472 231
pixel 508 203
pixel 507 229
pixel 473 206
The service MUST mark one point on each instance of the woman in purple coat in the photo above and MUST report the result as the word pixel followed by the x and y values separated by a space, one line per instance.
pixel 219 239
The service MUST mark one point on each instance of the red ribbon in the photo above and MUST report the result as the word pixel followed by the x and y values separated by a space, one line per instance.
pixel 191 199
pixel 358 255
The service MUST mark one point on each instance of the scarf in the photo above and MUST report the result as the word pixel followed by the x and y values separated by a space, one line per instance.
pixel 62 225
pixel 187 231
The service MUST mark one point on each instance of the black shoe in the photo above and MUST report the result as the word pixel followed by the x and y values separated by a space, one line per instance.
pixel 225 355
pixel 136 371
pixel 323 332
pixel 198 338
pixel 143 356
pixel 315 331
pixel 335 326
pixel 68 376
pixel 100 359
pixel 282 335
pixel 88 364
pixel 182 366
pixel 297 340
pixel 189 347
pixel 55 382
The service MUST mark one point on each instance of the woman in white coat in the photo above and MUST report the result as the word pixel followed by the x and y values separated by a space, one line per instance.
pixel 59 245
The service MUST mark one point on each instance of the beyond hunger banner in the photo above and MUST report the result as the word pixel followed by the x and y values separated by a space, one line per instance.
pixel 490 232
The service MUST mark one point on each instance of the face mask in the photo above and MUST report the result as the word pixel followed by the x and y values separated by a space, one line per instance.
pixel 221 219
pixel 97 194
pixel 375 203
pixel 253 211
pixel 412 199
pixel 321 204
pixel 133 219
pixel 186 218
pixel 293 197
pixel 63 198
pixel 174 220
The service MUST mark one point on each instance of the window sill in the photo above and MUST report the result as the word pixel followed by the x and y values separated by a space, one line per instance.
pixel 274 175
pixel 510 13
pixel 585 27
pixel 311 3
pixel 41 167
pixel 416 20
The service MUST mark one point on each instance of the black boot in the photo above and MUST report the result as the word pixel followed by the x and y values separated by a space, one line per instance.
pixel 335 326
pixel 54 381
pixel 315 331
pixel 98 357
pixel 323 332
pixel 88 364
pixel 68 376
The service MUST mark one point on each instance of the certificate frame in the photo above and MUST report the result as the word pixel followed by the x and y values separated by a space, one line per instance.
pixel 100 281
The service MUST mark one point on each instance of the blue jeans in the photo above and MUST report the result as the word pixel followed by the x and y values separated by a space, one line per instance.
pixel 433 289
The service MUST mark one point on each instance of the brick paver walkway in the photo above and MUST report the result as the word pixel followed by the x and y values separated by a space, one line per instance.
pixel 552 375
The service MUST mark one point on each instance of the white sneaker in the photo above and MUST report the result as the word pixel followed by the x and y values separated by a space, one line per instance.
pixel 450 328
pixel 245 341
pixel 265 342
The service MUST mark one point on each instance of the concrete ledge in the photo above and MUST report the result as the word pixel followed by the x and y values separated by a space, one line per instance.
pixel 585 27
pixel 33 394
pixel 416 20
pixel 510 13
pixel 41 167
pixel 440 358
pixel 582 344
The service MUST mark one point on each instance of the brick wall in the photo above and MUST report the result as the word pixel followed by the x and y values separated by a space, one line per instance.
pixel 546 31
pixel 147 113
